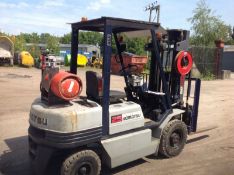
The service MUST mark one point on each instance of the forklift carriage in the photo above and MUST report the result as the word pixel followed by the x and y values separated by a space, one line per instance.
pixel 109 127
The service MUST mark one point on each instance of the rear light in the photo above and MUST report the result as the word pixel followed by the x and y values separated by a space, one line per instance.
pixel 116 119
pixel 46 77
pixel 43 64
pixel 100 86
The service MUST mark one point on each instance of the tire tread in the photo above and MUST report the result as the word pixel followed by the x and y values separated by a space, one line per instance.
pixel 163 145
pixel 71 160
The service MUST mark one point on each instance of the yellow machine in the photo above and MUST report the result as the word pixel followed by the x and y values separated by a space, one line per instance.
pixel 81 60
pixel 6 51
pixel 26 59
pixel 97 63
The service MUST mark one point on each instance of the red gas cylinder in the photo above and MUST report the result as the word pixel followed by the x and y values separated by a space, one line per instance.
pixel 66 85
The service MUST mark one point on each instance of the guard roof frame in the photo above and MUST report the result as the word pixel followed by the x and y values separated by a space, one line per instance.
pixel 118 25
pixel 111 27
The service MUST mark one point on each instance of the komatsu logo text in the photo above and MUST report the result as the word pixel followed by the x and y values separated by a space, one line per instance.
pixel 131 116
pixel 38 120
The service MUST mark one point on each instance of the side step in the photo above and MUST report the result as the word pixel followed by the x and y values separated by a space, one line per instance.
pixel 126 148
pixel 150 123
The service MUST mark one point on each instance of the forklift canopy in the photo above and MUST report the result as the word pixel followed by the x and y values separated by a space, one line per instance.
pixel 111 27
pixel 118 25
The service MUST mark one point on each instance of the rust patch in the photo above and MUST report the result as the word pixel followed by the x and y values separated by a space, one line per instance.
pixel 74 118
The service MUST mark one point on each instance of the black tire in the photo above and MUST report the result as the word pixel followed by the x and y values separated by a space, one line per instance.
pixel 173 139
pixel 85 162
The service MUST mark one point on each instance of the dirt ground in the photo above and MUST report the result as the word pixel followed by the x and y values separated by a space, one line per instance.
pixel 210 152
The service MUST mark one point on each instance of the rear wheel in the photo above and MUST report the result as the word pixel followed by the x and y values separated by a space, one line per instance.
pixel 173 138
pixel 85 162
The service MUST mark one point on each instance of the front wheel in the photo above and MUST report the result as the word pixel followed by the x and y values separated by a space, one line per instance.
pixel 173 139
pixel 85 162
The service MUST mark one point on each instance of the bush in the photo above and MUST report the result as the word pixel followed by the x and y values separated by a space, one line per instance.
pixel 207 75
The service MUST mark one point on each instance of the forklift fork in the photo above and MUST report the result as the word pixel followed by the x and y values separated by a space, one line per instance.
pixel 195 105
pixel 194 111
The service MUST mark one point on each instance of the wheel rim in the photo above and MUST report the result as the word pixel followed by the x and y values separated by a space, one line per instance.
pixel 84 169
pixel 176 139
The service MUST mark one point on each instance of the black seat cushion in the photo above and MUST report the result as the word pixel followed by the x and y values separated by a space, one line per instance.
pixel 93 80
pixel 115 96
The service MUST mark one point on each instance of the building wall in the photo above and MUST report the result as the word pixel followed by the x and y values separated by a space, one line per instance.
pixel 67 47
pixel 228 60
pixel 82 47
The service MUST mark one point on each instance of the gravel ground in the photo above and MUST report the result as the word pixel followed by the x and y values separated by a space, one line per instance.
pixel 208 152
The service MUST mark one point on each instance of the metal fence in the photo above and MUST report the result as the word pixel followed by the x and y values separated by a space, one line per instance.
pixel 205 60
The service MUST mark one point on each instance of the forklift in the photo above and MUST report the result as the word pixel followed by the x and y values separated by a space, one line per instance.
pixel 110 128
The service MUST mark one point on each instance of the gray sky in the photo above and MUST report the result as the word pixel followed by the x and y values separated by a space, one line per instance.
pixel 52 15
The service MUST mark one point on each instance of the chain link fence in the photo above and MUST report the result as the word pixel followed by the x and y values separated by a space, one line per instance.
pixel 205 61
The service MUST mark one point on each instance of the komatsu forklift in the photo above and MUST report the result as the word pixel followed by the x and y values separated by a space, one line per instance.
pixel 152 115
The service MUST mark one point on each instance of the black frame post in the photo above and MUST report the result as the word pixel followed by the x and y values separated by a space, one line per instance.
pixel 152 75
pixel 74 50
pixel 106 78
pixel 121 59
pixel 158 62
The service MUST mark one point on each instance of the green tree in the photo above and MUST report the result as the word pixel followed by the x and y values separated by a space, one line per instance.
pixel 84 38
pixel 44 37
pixel 206 26
pixel 136 45
pixel 93 38
pixel 26 36
pixel 34 49
pixel 53 44
pixel 65 39
pixel 19 44
pixel 31 37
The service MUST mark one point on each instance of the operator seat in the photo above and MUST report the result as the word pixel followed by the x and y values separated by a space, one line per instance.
pixel 94 89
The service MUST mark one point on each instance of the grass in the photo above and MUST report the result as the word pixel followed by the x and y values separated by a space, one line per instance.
pixel 207 75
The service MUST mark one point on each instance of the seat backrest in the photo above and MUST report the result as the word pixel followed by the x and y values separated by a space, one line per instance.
pixel 93 81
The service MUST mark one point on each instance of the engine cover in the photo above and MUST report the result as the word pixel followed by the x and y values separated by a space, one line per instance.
pixel 77 116
pixel 125 116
